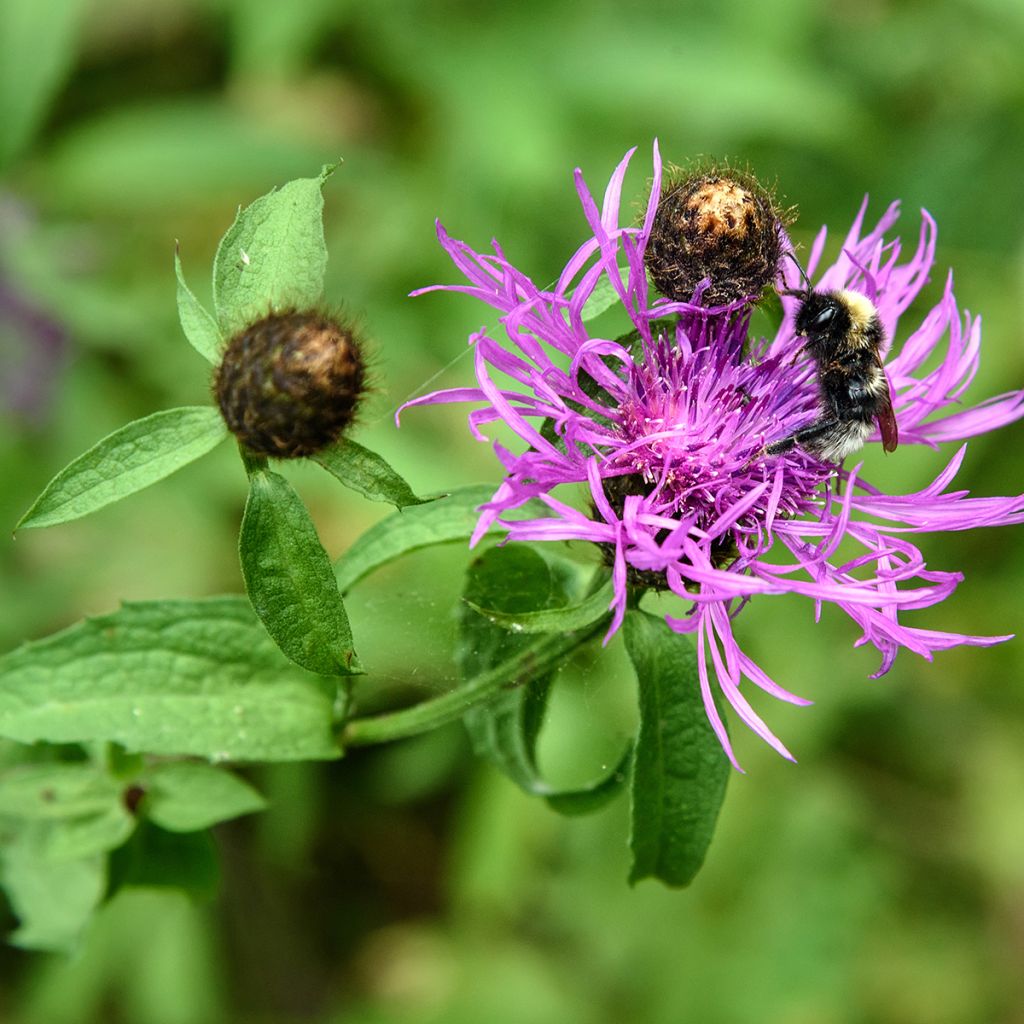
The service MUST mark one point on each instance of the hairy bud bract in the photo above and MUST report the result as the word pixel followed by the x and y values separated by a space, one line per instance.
pixel 715 225
pixel 289 384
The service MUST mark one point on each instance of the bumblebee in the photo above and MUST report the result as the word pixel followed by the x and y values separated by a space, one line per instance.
pixel 844 335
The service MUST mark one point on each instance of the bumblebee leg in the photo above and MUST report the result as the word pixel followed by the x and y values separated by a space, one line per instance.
pixel 781 447
pixel 805 437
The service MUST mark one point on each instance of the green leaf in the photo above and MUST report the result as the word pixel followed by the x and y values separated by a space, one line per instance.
pixel 44 791
pixel 366 472
pixel 680 770
pixel 506 728
pixel 37 47
pixel 127 461
pixel 52 901
pixel 442 521
pixel 290 581
pixel 186 797
pixel 552 620
pixel 273 257
pixel 199 326
pixel 168 677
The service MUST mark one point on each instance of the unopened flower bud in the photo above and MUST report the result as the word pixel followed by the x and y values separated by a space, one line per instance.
pixel 719 225
pixel 289 384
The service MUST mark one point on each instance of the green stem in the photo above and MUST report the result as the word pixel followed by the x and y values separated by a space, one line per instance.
pixel 536 659
pixel 253 463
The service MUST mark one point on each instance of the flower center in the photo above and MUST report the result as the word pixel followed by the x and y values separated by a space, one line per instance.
pixel 694 427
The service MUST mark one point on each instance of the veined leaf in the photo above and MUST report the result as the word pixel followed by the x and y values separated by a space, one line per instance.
pixel 169 677
pixel 273 257
pixel 680 770
pixel 366 472
pixel 127 461
pixel 290 581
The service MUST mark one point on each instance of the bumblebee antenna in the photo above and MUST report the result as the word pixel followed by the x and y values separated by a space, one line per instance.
pixel 803 274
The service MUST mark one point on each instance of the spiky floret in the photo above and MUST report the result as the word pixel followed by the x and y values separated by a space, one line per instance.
pixel 684 417
pixel 716 224
pixel 289 384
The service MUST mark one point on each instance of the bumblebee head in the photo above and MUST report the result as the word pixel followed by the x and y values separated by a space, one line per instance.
pixel 823 318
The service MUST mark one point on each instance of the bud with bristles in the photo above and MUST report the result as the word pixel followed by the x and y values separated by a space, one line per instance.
pixel 289 384
pixel 719 225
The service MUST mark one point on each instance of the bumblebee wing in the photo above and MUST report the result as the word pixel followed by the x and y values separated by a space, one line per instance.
pixel 887 418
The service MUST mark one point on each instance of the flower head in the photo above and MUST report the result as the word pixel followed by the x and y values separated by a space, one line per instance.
pixel 289 384
pixel 667 428
pixel 717 229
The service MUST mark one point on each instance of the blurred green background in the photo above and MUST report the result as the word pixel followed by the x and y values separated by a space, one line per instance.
pixel 882 879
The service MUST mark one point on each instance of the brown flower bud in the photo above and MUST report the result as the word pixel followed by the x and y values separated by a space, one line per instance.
pixel 716 224
pixel 289 384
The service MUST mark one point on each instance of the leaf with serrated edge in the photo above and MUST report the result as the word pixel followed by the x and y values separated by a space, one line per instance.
pixel 52 901
pixel 290 581
pixel 169 677
pixel 199 326
pixel 126 461
pixel 273 257
pixel 366 472
pixel 186 797
pixel 451 518
pixel 680 771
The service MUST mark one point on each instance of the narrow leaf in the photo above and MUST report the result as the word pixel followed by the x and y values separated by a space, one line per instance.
pixel 127 461
pixel 273 257
pixel 680 770
pixel 199 326
pixel 168 677
pixel 447 519
pixel 366 472
pixel 290 581
pixel 505 729
pixel 52 901
pixel 186 797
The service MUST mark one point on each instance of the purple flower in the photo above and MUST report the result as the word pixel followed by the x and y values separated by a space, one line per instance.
pixel 667 429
